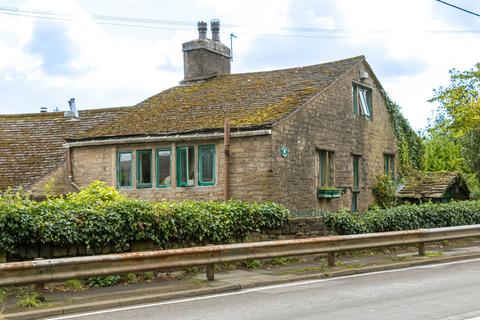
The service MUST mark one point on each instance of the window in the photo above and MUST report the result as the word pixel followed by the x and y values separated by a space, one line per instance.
pixel 354 201
pixel 164 156
pixel 185 167
pixel 356 175
pixel 144 168
pixel 206 165
pixel 389 164
pixel 124 169
pixel 362 101
pixel 326 168
pixel 356 182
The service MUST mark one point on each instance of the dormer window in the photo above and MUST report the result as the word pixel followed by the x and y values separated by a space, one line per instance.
pixel 362 101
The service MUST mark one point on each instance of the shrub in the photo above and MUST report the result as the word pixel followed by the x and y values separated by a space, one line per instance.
pixel 405 217
pixel 100 282
pixel 131 278
pixel 385 191
pixel 3 295
pixel 99 216
pixel 74 285
pixel 30 300
pixel 253 264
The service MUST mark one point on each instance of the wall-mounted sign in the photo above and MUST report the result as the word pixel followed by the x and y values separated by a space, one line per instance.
pixel 284 151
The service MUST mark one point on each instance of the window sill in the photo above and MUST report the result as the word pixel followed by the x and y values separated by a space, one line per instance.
pixel 328 193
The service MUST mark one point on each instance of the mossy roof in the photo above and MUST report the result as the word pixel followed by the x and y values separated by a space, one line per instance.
pixel 432 185
pixel 249 100
pixel 31 144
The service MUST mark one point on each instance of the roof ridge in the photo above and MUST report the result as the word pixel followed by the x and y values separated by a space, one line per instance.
pixel 291 68
pixel 60 113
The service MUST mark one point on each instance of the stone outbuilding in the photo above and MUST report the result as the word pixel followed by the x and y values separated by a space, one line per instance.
pixel 309 137
pixel 434 187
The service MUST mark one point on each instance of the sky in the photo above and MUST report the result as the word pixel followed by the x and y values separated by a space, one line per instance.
pixel 106 54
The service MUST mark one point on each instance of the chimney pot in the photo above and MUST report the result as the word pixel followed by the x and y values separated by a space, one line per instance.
pixel 202 30
pixel 215 27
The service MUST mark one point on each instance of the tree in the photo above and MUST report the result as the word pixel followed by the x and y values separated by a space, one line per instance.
pixel 457 122
pixel 443 153
pixel 459 110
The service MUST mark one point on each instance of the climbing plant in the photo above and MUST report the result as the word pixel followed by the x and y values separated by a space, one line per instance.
pixel 410 145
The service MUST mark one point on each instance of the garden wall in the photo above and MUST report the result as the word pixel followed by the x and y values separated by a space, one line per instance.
pixel 295 228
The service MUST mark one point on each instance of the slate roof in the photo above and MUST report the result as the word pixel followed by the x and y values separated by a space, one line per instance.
pixel 249 100
pixel 433 185
pixel 31 144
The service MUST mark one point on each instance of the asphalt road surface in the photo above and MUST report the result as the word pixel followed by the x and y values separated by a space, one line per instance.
pixel 447 291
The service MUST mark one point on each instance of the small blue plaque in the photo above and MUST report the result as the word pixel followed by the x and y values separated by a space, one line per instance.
pixel 284 151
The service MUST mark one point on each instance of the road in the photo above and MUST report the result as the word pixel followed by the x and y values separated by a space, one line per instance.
pixel 448 291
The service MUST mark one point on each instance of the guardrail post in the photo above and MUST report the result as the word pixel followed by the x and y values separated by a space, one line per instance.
pixel 331 259
pixel 39 286
pixel 210 271
pixel 421 249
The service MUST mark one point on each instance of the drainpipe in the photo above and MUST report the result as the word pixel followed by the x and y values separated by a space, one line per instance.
pixel 226 161
pixel 69 175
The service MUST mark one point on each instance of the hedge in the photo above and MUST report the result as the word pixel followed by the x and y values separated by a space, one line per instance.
pixel 405 217
pixel 98 215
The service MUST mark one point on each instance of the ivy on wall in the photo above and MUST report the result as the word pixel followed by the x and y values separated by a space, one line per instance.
pixel 410 145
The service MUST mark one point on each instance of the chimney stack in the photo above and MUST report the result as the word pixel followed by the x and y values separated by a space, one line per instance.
pixel 215 27
pixel 202 30
pixel 205 58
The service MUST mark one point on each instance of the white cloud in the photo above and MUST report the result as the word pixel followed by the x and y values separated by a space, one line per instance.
pixel 121 66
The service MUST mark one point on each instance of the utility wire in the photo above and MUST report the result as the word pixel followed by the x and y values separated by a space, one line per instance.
pixel 459 8
pixel 159 25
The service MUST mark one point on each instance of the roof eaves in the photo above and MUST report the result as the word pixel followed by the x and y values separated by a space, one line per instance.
pixel 219 134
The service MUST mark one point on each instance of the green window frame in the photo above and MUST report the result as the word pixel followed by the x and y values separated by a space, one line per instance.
pixel 206 167
pixel 144 179
pixel 362 101
pixel 326 168
pixel 160 170
pixel 354 201
pixel 389 165
pixel 356 173
pixel 120 172
pixel 185 166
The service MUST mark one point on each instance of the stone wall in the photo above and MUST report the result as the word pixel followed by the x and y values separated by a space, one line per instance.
pixel 327 122
pixel 295 228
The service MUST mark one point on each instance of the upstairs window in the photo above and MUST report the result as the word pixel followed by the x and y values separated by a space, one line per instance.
pixel 124 169
pixel 206 165
pixel 389 165
pixel 144 168
pixel 185 167
pixel 164 156
pixel 326 168
pixel 362 101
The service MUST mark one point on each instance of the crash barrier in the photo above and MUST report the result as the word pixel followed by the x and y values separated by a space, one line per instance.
pixel 52 270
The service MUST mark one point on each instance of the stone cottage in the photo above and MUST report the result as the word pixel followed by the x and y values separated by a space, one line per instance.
pixel 309 137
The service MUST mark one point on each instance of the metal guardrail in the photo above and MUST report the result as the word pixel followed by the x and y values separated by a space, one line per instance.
pixel 42 271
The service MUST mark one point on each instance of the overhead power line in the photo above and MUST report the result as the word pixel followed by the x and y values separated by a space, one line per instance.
pixel 459 8
pixel 144 23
